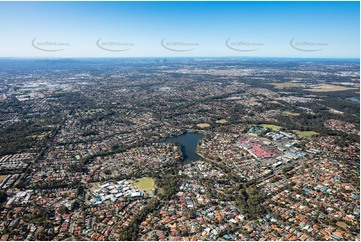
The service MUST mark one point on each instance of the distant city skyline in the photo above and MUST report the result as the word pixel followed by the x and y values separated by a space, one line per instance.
pixel 180 29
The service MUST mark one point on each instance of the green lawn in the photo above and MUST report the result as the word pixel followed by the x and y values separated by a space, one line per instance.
pixel 145 183
pixel 271 126
pixel 305 134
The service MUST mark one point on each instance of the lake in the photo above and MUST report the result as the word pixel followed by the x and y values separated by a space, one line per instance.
pixel 188 142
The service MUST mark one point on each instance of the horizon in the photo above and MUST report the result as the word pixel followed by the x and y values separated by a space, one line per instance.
pixel 180 57
pixel 180 29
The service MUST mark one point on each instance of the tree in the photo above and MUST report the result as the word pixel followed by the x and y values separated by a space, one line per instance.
pixel 2 196
pixel 63 209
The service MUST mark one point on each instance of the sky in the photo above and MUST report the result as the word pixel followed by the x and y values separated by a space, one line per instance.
pixel 180 29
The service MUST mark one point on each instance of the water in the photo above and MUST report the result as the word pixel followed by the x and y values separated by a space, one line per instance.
pixel 188 142
pixel 352 99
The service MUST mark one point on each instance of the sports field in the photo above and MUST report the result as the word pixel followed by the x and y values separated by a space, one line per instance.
pixel 221 121
pixel 271 126
pixel 145 183
pixel 290 113
pixel 203 125
pixel 286 85
pixel 305 134
pixel 329 88
pixel 2 178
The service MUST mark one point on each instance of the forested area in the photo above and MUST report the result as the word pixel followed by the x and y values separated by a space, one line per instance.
pixel 26 135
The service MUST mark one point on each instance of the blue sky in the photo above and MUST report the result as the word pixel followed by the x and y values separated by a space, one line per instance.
pixel 264 29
